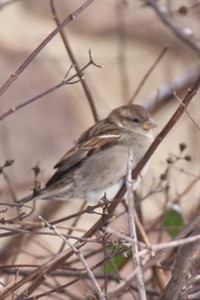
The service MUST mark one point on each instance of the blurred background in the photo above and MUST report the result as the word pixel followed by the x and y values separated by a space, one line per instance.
pixel 125 39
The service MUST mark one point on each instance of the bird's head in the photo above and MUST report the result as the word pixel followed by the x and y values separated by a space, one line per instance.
pixel 133 117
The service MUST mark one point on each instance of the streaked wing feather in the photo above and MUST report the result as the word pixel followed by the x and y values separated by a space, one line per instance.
pixel 83 149
pixel 77 154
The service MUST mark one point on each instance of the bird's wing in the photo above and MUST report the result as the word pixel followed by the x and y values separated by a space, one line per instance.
pixel 98 137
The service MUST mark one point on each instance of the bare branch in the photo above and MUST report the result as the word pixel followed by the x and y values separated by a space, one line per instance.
pixel 51 90
pixel 30 58
pixel 80 256
pixel 164 93
pixel 122 285
pixel 181 269
pixel 189 115
pixel 132 228
pixel 154 247
pixel 146 76
pixel 74 62
pixel 166 18
pixel 122 47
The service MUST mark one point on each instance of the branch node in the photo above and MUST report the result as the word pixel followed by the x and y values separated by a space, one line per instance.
pixel 13 109
pixel 14 75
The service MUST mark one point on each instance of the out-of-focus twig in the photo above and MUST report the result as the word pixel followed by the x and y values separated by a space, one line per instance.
pixel 5 3
pixel 122 47
pixel 148 74
pixel 187 112
pixel 164 94
pixel 30 58
pixel 10 187
pixel 57 86
pixel 74 62
pixel 24 270
pixel 167 19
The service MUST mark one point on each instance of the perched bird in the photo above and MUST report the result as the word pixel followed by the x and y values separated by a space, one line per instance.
pixel 96 166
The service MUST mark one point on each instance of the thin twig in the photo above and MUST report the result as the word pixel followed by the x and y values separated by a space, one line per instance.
pixel 153 247
pixel 132 228
pixel 75 63
pixel 159 274
pixel 53 89
pixel 6 3
pixel 10 269
pixel 12 191
pixel 74 223
pixel 187 189
pixel 122 47
pixel 80 256
pixel 164 50
pixel 189 115
pixel 162 253
pixel 164 94
pixel 167 19
pixel 181 269
pixel 30 58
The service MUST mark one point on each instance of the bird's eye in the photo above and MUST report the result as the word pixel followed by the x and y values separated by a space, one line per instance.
pixel 136 120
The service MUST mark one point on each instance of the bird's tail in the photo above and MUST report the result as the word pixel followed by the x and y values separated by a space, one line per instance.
pixel 30 197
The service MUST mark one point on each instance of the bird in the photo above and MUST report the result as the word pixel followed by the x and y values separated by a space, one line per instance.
pixel 95 167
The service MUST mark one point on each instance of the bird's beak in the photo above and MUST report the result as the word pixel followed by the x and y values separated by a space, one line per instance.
pixel 149 124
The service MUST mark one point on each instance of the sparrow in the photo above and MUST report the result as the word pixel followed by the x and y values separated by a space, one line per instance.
pixel 96 166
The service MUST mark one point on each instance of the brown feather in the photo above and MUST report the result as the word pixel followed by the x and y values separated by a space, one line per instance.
pixel 100 136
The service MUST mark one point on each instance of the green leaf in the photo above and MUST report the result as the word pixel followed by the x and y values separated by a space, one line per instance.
pixel 174 221
pixel 116 261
